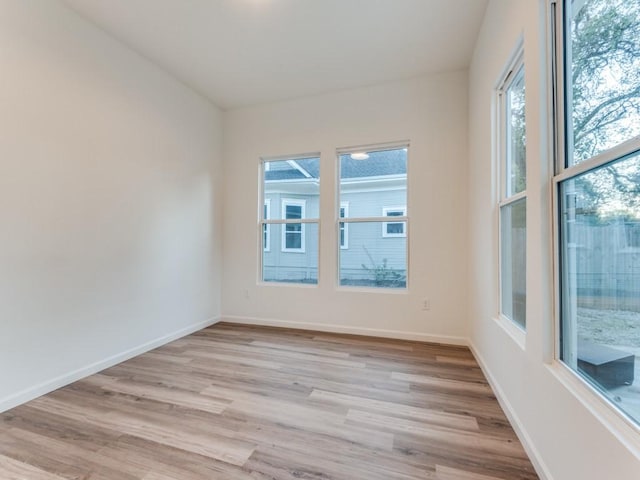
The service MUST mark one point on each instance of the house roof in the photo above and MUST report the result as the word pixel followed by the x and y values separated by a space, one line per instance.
pixel 386 162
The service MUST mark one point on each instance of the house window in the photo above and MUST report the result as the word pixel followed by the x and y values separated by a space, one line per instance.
pixel 266 228
pixel 370 179
pixel 597 191
pixel 512 203
pixel 293 233
pixel 343 227
pixel 290 199
pixel 394 229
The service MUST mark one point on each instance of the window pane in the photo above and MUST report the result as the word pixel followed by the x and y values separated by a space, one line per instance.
pixel 373 261
pixel 600 276
pixel 291 192
pixel 513 242
pixel 604 75
pixel 516 175
pixel 395 228
pixel 297 266
pixel 293 235
pixel 374 184
pixel 293 212
pixel 369 185
pixel 295 180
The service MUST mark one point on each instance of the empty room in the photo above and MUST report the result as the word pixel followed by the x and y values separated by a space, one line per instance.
pixel 319 239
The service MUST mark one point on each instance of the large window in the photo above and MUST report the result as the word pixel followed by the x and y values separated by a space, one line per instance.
pixel 372 183
pixel 597 188
pixel 291 194
pixel 513 195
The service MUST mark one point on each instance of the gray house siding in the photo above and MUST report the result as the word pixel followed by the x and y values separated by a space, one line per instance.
pixel 286 266
pixel 365 243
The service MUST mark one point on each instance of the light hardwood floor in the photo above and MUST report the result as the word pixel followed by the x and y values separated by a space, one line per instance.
pixel 254 403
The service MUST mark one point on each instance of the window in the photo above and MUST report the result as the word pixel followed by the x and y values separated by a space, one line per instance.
pixel 597 190
pixel 290 199
pixel 293 233
pixel 513 195
pixel 393 229
pixel 266 228
pixel 343 227
pixel 370 178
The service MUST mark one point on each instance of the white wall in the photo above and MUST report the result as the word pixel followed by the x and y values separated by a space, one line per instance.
pixel 432 113
pixel 561 421
pixel 109 201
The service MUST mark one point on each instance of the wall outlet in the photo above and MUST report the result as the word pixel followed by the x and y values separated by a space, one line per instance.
pixel 426 304
pixel 246 294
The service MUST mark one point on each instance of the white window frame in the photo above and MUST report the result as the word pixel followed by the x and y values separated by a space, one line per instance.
pixel 385 213
pixel 373 219
pixel 294 202
pixel 343 226
pixel 267 227
pixel 506 199
pixel 561 131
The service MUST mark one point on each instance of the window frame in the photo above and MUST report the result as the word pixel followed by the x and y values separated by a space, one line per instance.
pixel 294 202
pixel 266 236
pixel 560 132
pixel 403 144
pixel 385 213
pixel 511 73
pixel 263 167
pixel 343 227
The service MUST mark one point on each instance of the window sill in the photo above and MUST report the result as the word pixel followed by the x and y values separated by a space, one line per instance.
pixel 517 334
pixel 622 428
pixel 392 291
pixel 262 283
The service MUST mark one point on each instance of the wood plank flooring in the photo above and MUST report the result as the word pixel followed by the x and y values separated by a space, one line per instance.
pixel 235 402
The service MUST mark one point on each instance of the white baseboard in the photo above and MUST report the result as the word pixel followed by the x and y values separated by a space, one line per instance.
pixel 529 447
pixel 333 328
pixel 36 391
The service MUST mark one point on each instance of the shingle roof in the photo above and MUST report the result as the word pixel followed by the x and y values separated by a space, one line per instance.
pixel 387 162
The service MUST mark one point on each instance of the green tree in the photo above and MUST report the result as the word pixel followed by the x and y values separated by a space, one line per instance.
pixel 604 83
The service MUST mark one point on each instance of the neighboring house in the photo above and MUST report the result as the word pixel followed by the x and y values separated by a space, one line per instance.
pixel 375 187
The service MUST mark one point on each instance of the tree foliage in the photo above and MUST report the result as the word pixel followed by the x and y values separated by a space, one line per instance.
pixel 604 87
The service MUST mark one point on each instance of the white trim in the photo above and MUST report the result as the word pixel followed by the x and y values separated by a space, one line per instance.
pixel 513 69
pixel 385 214
pixel 375 219
pixel 513 198
pixel 282 158
pixel 345 226
pixel 513 329
pixel 295 221
pixel 373 147
pixel 626 149
pixel 295 202
pixel 617 423
pixel 529 446
pixel 565 369
pixel 36 391
pixel 334 328
pixel 266 226
pixel 404 145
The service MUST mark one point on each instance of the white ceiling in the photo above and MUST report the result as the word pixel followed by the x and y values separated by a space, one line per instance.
pixel 244 52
